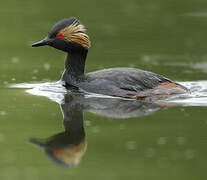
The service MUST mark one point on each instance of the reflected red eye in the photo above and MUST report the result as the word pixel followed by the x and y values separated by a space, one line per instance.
pixel 56 152
pixel 59 35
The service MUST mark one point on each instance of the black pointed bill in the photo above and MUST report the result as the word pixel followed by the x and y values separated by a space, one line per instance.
pixel 45 41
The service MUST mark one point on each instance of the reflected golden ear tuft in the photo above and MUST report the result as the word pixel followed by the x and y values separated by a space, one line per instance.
pixel 76 33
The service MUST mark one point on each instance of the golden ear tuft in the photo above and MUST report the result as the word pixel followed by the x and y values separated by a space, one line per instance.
pixel 76 33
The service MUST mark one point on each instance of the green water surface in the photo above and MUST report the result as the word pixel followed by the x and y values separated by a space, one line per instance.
pixel 164 36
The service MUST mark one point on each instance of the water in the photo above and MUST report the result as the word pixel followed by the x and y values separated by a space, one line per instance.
pixel 114 138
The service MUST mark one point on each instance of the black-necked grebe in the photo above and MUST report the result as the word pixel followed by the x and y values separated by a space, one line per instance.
pixel 69 35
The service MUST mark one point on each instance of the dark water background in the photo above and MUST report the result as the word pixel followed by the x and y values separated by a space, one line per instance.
pixel 164 36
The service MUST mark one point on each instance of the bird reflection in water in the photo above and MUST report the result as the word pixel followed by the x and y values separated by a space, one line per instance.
pixel 68 147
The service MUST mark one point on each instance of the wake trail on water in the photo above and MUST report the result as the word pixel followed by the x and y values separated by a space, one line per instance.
pixel 55 92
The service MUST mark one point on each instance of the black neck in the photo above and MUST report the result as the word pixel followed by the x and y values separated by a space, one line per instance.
pixel 75 63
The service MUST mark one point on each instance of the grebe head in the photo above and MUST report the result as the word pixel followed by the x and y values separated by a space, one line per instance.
pixel 67 34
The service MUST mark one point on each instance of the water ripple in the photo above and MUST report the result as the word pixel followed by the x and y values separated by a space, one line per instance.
pixel 55 92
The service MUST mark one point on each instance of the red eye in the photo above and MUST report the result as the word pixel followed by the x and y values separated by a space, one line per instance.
pixel 59 35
